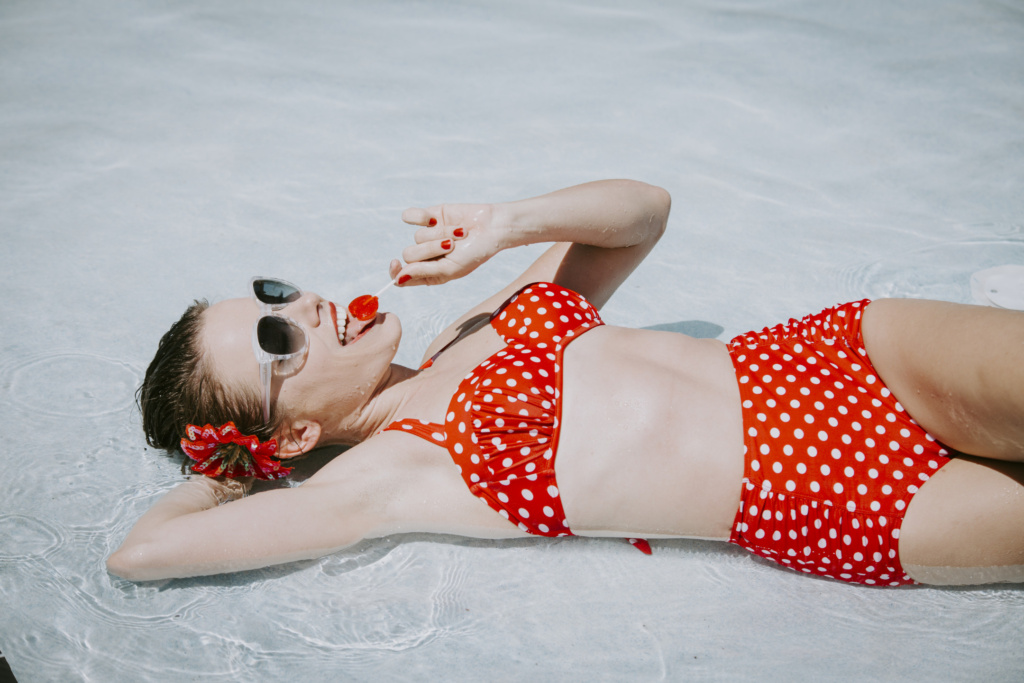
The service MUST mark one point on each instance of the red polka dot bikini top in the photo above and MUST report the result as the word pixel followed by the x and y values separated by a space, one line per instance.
pixel 502 424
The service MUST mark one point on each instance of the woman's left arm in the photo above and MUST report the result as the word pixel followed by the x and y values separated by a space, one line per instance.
pixel 189 532
pixel 603 230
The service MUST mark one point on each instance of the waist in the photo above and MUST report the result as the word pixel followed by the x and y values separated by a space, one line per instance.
pixel 652 443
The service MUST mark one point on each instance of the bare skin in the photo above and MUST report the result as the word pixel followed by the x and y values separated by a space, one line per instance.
pixel 959 370
pixel 651 445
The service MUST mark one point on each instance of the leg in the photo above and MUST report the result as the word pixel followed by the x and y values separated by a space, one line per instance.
pixel 957 369
pixel 965 525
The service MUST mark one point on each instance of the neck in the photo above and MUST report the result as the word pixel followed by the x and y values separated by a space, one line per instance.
pixel 376 413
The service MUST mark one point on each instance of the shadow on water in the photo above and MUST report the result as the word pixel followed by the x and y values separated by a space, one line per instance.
pixel 701 329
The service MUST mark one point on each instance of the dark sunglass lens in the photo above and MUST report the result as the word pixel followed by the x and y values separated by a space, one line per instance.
pixel 275 292
pixel 278 336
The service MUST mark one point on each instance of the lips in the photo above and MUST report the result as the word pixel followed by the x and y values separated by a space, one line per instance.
pixel 356 329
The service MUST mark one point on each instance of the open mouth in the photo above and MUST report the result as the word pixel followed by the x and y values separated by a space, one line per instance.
pixel 361 328
pixel 348 329
pixel 340 324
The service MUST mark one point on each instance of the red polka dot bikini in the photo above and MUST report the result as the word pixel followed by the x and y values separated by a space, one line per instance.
pixel 831 458
pixel 502 425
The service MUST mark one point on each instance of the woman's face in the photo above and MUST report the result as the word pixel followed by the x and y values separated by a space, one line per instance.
pixel 346 362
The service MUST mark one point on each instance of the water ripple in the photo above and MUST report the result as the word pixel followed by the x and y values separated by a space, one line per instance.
pixel 68 384
pixel 399 603
pixel 357 557
pixel 84 599
pixel 940 271
pixel 27 538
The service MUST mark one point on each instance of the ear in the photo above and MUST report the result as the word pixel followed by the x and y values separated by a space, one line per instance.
pixel 297 438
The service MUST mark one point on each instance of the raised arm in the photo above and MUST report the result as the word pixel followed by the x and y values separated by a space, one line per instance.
pixel 189 532
pixel 603 230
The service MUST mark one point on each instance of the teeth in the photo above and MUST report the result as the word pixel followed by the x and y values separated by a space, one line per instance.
pixel 341 328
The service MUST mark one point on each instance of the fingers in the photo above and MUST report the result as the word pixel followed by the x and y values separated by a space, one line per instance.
pixel 394 268
pixel 428 250
pixel 428 217
pixel 427 273
pixel 435 224
pixel 426 262
pixel 439 233
pixel 431 234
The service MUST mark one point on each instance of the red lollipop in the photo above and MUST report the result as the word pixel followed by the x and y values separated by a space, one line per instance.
pixel 363 307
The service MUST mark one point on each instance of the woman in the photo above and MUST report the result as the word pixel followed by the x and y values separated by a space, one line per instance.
pixel 789 442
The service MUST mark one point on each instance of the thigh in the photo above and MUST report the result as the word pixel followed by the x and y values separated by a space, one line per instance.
pixel 957 369
pixel 965 524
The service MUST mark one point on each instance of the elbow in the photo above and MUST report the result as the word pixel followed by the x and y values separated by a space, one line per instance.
pixel 125 564
pixel 131 564
pixel 119 564
pixel 659 202
pixel 663 202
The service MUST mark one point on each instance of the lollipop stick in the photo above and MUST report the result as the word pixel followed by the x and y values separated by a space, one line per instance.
pixel 384 288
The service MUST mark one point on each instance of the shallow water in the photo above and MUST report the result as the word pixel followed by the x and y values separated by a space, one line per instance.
pixel 154 153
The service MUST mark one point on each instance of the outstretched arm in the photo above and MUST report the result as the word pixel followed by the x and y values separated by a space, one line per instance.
pixel 602 231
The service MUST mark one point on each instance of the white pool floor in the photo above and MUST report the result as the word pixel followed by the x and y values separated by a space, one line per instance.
pixel 153 153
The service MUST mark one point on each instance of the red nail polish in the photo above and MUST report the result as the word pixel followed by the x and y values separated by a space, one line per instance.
pixel 446 245
pixel 405 278
pixel 459 232
pixel 432 222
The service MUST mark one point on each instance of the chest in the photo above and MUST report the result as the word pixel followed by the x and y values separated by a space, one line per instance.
pixel 502 422
pixel 514 356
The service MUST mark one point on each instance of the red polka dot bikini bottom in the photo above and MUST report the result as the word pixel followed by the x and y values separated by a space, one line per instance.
pixel 831 457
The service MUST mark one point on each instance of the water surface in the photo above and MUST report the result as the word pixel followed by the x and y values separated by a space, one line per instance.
pixel 152 153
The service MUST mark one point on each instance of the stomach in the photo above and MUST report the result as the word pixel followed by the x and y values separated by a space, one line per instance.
pixel 651 439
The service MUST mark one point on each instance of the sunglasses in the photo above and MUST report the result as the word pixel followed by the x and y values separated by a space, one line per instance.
pixel 279 342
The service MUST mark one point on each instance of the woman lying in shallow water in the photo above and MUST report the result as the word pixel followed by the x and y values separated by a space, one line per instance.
pixel 789 442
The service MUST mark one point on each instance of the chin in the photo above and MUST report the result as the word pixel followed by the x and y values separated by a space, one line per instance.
pixel 391 326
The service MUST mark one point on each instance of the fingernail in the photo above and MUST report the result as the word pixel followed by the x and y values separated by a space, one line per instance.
pixel 459 232
pixel 405 278
pixel 432 222
pixel 446 245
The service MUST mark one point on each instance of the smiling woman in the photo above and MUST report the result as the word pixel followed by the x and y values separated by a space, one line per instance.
pixel 832 445
pixel 301 357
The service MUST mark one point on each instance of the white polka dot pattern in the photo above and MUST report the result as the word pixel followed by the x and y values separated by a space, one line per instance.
pixel 501 427
pixel 832 458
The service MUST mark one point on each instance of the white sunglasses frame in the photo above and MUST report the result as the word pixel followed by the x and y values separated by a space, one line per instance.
pixel 265 358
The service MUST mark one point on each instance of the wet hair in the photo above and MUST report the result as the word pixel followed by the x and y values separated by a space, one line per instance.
pixel 180 388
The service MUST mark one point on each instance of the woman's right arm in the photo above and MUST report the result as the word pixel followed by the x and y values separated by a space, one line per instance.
pixel 601 230
pixel 619 220
pixel 189 532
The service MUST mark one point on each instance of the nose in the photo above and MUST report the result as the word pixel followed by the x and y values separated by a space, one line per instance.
pixel 305 309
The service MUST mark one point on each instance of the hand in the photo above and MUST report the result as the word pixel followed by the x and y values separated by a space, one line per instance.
pixel 453 241
pixel 224 489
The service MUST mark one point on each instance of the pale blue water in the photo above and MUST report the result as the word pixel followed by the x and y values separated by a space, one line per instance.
pixel 151 153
